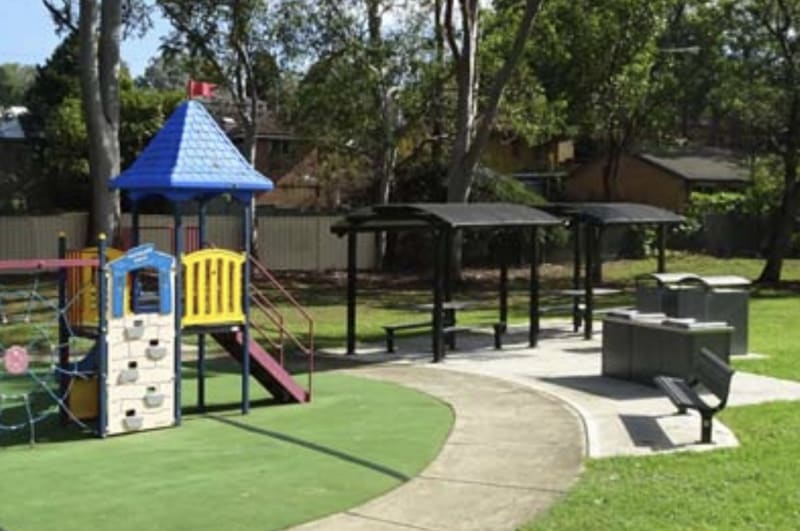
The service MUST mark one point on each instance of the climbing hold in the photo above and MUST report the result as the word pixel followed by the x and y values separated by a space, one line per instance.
pixel 16 360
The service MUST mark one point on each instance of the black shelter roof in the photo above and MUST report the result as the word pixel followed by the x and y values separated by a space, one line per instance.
pixel 451 215
pixel 616 213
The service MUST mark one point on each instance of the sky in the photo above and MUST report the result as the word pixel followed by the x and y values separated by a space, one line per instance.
pixel 27 35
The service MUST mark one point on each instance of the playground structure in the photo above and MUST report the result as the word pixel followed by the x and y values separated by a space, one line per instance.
pixel 136 306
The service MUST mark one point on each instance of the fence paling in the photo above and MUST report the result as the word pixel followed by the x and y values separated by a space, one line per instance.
pixel 294 242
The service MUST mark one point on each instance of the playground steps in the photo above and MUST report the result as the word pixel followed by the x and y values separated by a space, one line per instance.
pixel 264 368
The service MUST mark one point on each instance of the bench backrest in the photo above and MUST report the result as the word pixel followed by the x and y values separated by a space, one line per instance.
pixel 713 373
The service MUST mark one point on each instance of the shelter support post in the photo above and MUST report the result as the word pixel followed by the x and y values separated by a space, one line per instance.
pixel 447 281
pixel 178 239
pixel 588 282
pixel 201 338
pixel 135 237
pixel 576 273
pixel 533 303
pixel 503 282
pixel 102 335
pixel 501 325
pixel 597 264
pixel 662 245
pixel 439 250
pixel 351 290
pixel 63 331
pixel 247 229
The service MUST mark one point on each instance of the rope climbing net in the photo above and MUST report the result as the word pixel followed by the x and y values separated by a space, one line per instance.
pixel 31 377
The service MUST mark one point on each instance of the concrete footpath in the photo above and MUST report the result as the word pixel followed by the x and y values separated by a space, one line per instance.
pixel 511 454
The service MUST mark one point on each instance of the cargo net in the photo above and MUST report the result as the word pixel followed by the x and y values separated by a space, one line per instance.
pixel 33 387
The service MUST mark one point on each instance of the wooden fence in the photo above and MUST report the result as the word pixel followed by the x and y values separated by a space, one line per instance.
pixel 302 243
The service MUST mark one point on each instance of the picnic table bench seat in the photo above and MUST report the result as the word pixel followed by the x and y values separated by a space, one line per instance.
pixel 449 331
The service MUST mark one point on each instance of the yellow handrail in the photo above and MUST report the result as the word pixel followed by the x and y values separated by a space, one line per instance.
pixel 212 287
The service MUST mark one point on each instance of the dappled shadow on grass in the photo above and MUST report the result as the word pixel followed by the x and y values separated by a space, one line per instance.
pixel 309 445
pixel 781 290
pixel 48 431
pixel 228 406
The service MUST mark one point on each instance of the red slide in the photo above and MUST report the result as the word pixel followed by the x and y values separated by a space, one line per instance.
pixel 264 368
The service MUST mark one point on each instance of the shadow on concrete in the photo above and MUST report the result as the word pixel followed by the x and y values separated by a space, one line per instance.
pixel 645 431
pixel 610 388
pixel 584 350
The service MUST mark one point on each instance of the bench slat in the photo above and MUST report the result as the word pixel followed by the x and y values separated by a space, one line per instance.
pixel 681 394
pixel 407 326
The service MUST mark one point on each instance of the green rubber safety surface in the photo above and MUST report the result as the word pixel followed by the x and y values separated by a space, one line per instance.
pixel 277 466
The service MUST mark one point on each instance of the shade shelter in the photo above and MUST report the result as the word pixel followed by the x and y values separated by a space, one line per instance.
pixel 592 219
pixel 442 220
pixel 192 159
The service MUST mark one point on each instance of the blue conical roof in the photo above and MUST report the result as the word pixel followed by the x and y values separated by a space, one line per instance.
pixel 191 158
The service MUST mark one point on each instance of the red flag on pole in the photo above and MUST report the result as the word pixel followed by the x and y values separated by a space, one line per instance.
pixel 196 89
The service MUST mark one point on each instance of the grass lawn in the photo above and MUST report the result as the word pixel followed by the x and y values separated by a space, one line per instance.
pixel 755 486
pixel 276 467
pixel 386 301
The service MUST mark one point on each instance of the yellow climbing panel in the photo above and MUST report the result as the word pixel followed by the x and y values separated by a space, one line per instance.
pixel 212 287
pixel 82 287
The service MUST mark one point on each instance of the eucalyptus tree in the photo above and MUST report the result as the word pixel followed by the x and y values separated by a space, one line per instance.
pixel 100 25
pixel 607 61
pixel 367 56
pixel 360 100
pixel 474 116
pixel 227 37
pixel 15 79
pixel 763 48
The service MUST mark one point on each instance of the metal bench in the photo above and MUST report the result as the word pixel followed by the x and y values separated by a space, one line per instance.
pixel 709 372
pixel 391 329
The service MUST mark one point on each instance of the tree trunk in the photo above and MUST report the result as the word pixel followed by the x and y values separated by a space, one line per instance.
pixel 100 32
pixel 437 103
pixel 385 151
pixel 784 220
pixel 472 132
pixel 782 225
pixel 611 170
pixel 459 175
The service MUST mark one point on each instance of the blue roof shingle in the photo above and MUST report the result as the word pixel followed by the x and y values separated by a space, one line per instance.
pixel 191 158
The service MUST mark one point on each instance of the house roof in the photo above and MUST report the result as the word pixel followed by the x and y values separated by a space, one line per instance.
pixel 451 215
pixel 191 158
pixel 268 125
pixel 707 167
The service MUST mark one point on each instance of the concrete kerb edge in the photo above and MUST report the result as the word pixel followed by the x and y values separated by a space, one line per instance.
pixel 354 373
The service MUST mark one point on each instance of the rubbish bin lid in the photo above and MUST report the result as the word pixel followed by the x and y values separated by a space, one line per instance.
pixel 716 281
pixel 667 278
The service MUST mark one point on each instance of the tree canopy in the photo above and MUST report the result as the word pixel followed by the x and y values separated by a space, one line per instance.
pixel 393 93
